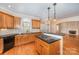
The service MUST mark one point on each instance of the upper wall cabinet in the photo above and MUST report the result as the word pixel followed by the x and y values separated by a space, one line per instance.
pixel 35 24
pixel 2 17
pixel 8 21
pixel 17 22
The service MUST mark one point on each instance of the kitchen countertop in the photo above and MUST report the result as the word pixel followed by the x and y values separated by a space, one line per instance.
pixel 61 34
pixel 48 39
pixel 45 38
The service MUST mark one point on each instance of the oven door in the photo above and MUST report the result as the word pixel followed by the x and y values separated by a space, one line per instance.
pixel 8 43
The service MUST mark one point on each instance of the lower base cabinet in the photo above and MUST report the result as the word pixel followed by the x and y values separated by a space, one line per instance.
pixel 44 48
pixel 23 39
pixel 1 45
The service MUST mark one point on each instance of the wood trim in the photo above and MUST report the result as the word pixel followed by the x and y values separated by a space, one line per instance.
pixel 6 13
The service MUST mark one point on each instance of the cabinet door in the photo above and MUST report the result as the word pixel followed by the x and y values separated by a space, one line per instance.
pixel 45 50
pixel 32 38
pixel 25 39
pixel 1 45
pixel 16 41
pixel 2 20
pixel 41 48
pixel 55 48
pixel 17 22
pixel 38 46
pixel 6 21
pixel 9 21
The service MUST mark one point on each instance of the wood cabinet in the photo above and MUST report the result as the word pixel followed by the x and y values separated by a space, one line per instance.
pixel 17 22
pixel 32 37
pixel 55 48
pixel 2 20
pixel 44 48
pixel 36 24
pixel 8 21
pixel 20 39
pixel 1 45
pixel 23 39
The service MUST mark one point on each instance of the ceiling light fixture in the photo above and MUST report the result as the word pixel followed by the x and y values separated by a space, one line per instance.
pixel 54 11
pixel 9 6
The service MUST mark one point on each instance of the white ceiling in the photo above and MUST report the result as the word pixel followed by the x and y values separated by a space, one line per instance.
pixel 63 10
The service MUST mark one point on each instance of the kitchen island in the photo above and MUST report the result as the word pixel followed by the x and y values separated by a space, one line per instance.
pixel 48 44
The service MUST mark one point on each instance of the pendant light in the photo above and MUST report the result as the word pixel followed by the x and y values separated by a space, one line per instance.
pixel 48 15
pixel 48 20
pixel 54 11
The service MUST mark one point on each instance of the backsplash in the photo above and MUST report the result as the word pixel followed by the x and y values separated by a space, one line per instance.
pixel 10 31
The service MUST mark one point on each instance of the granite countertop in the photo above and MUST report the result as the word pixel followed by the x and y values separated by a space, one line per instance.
pixel 61 34
pixel 48 39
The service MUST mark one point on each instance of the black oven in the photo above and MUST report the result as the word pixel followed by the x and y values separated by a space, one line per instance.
pixel 8 42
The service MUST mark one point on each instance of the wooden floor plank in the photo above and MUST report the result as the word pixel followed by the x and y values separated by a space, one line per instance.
pixel 71 45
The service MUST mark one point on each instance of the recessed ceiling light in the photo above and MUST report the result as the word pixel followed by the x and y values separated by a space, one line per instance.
pixel 9 6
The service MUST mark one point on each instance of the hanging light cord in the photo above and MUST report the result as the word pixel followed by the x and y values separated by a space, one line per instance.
pixel 54 10
pixel 48 12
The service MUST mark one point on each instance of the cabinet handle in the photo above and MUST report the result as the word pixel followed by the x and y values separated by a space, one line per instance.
pixel 41 45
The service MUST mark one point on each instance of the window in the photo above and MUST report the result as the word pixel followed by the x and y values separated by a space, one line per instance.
pixel 26 27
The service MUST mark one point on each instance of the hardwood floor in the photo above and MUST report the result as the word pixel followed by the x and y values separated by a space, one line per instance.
pixel 71 45
pixel 27 49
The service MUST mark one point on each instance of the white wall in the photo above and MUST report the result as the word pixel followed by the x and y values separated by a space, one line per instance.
pixel 54 24
pixel 44 25
pixel 67 26
pixel 75 18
